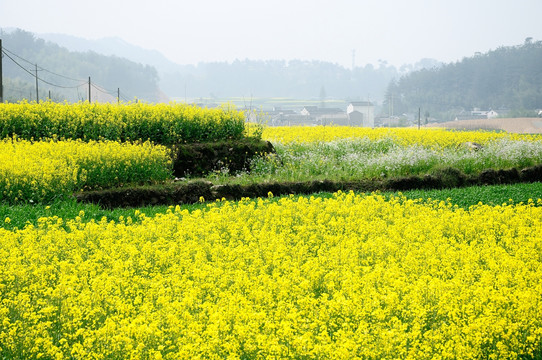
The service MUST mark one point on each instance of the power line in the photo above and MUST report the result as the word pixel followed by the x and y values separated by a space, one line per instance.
pixel 65 77
pixel 37 68
pixel 123 97
pixel 60 86
pixel 103 90
pixel 45 81
pixel 22 67
pixel 42 68
pixel 12 53
pixel 118 93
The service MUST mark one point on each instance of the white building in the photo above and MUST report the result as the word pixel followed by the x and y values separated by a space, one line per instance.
pixel 488 114
pixel 325 116
pixel 361 113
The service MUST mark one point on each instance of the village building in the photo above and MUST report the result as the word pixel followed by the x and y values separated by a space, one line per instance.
pixel 361 113
pixel 358 113
pixel 475 114
pixel 324 116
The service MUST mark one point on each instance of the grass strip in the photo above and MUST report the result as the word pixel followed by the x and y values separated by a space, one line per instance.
pixel 20 215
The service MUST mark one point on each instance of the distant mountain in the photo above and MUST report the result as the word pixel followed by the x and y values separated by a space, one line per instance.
pixel 114 46
pixel 260 78
pixel 66 74
pixel 247 78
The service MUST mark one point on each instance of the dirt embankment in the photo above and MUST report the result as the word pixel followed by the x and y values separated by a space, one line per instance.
pixel 513 125
pixel 177 193
pixel 200 159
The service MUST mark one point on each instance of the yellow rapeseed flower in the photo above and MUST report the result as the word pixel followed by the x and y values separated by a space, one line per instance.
pixel 351 276
pixel 433 138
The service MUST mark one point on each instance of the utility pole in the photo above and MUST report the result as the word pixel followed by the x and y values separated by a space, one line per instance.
pixel 89 101
pixel 118 95
pixel 390 106
pixel 419 117
pixel 368 122
pixel 37 89
pixel 1 80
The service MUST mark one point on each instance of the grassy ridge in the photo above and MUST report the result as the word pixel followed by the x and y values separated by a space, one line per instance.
pixel 352 154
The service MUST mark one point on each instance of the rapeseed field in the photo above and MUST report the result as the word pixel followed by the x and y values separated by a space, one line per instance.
pixel 344 276
pixel 44 170
pixel 352 276
pixel 427 137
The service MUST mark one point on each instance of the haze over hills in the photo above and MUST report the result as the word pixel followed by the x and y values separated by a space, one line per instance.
pixel 248 78
pixel 113 46
pixel 505 78
pixel 69 75
pixel 213 81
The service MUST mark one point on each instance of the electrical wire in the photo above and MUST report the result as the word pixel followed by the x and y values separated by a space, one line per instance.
pixel 102 90
pixel 22 67
pixel 82 82
pixel 39 67
pixel 35 76
pixel 12 53
pixel 123 97
pixel 62 87
pixel 65 77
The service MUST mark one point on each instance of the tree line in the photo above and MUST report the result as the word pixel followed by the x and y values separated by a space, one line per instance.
pixel 507 80
pixel 302 79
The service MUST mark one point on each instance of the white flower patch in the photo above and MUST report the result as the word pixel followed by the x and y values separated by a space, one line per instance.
pixel 365 158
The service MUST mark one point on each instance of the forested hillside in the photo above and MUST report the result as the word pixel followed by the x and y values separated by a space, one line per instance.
pixel 65 74
pixel 141 72
pixel 506 78
pixel 279 78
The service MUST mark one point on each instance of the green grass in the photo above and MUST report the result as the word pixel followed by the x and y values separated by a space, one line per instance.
pixel 20 215
pixel 490 195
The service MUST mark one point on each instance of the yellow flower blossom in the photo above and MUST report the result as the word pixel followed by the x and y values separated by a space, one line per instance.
pixel 351 276
pixel 42 170
pixel 433 138
pixel 161 123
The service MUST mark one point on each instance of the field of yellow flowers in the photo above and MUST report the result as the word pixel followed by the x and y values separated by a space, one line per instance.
pixel 351 276
pixel 44 170
pixel 165 124
pixel 429 137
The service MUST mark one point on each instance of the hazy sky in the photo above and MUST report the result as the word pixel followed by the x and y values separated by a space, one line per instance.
pixel 187 32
